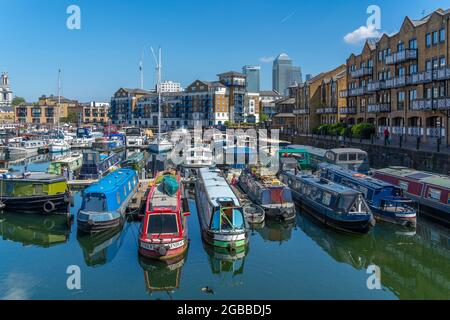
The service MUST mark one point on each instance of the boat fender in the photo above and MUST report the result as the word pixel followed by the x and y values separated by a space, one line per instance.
pixel 49 206
pixel 162 251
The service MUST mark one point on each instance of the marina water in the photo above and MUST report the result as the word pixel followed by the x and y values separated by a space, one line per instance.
pixel 297 260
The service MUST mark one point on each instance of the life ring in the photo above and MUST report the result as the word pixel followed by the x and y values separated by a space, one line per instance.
pixel 49 206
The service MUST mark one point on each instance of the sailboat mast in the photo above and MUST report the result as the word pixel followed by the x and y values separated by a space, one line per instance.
pixel 59 98
pixel 141 70
pixel 159 95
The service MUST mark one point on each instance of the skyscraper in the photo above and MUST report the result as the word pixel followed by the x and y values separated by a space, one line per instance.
pixel 284 74
pixel 253 78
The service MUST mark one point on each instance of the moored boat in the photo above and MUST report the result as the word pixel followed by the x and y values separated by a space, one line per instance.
pixel 264 188
pixel 385 200
pixel 334 205
pixel 164 227
pixel 72 163
pixel 220 213
pixel 58 146
pixel 105 202
pixel 431 191
pixel 35 192
pixel 96 165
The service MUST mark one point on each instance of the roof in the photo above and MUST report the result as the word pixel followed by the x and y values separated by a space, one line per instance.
pixel 271 93
pixel 421 176
pixel 286 101
pixel 111 182
pixel 330 186
pixel 216 186
pixel 232 74
pixel 347 150
pixel 282 56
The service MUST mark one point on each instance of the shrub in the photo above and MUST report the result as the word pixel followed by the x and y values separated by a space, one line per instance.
pixel 364 130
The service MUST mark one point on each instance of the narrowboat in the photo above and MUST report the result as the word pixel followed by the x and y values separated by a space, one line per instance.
pixel 385 200
pixel 219 211
pixel 347 158
pixel 72 162
pixel 263 188
pixel 105 202
pixel 431 191
pixel 35 192
pixel 164 227
pixel 96 165
pixel 301 155
pixel 108 145
pixel 332 204
pixel 22 149
pixel 135 137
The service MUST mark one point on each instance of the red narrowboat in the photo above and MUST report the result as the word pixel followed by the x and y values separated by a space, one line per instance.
pixel 163 232
pixel 430 190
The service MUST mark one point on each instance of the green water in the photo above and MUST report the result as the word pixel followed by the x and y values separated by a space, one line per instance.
pixel 302 260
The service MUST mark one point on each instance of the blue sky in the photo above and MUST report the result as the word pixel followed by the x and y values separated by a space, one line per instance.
pixel 200 38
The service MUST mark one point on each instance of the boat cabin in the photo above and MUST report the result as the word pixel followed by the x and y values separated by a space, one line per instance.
pixel 349 158
pixel 301 155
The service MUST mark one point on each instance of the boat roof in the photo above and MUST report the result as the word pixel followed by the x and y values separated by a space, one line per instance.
pixel 326 184
pixel 111 182
pixel 421 176
pixel 217 188
pixel 38 176
pixel 347 150
pixel 365 180
pixel 312 150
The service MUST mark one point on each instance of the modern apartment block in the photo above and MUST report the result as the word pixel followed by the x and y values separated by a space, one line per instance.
pixel 402 81
pixel 49 110
pixel 235 83
pixel 253 75
pixel 170 86
pixel 123 104
pixel 94 112
pixel 284 74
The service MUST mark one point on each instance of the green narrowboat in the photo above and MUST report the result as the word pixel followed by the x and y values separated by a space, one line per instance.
pixel 36 192
pixel 301 155
pixel 73 163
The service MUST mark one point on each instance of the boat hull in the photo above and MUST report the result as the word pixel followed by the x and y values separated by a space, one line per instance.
pixel 164 251
pixel 35 204
pixel 409 221
pixel 160 148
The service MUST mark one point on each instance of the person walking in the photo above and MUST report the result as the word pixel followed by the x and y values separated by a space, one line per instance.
pixel 386 136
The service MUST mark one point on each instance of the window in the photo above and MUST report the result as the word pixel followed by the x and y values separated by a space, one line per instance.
pixel 435 37
pixel 428 65
pixel 401 72
pixel 413 44
pixel 38 188
pixel 434 194
pixel 94 202
pixel 435 63
pixel 404 185
pixel 428 40
pixel 400 100
pixel 428 93
pixel 413 69
pixel 326 199
pixel 400 46
pixel 442 35
pixel 162 224
pixel 442 62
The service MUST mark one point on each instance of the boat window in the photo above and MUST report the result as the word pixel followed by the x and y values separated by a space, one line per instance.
pixel 345 202
pixel 434 194
pixel 326 199
pixel 94 202
pixel 162 224
pixel 38 188
pixel 227 219
pixel 118 197
pixel 352 157
pixel 129 185
pixel 124 190
pixel 404 185
pixel 343 157
pixel 361 156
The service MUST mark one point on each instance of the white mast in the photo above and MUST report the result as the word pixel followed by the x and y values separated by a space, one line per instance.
pixel 158 88
pixel 141 70
pixel 59 98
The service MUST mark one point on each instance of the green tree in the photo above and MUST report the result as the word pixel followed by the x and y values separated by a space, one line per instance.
pixel 17 101
pixel 72 117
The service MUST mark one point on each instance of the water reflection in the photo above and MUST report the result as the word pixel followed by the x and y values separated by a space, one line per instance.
pixel 99 249
pixel 162 276
pixel 413 266
pixel 277 231
pixel 226 265
pixel 35 230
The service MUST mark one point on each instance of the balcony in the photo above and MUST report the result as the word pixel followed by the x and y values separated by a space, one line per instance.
pixel 301 111
pixel 357 92
pixel 379 108
pixel 441 104
pixel 419 78
pixel 361 72
pixel 421 105
pixel 402 56
pixel 343 94
pixel 375 86
pixel 396 82
pixel 347 110
pixel 327 111
pixel 441 74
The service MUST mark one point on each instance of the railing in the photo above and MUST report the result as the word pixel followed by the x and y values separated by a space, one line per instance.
pixel 442 73
pixel 418 78
pixel 441 104
pixel 361 72
pixel 375 86
pixel 301 111
pixel 436 132
pixel 395 82
pixel 357 91
pixel 327 111
pixel 343 94
pixel 402 56
pixel 421 104
pixel 379 107
pixel 347 110
pixel 398 130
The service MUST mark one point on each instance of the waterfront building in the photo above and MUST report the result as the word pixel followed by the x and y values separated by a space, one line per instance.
pixel 402 80
pixel 146 112
pixel 235 83
pixel 267 101
pixel 251 107
pixel 94 112
pixel 6 94
pixel 284 74
pixel 170 86
pixel 123 104
pixel 253 75
pixel 284 119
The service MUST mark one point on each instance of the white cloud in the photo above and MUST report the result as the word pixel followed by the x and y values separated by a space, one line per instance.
pixel 266 59
pixel 361 34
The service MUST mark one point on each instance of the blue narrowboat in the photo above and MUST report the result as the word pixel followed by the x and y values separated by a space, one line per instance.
pixel 105 202
pixel 385 200
pixel 334 205
pixel 96 164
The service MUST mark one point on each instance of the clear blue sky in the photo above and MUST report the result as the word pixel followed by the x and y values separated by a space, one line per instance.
pixel 200 38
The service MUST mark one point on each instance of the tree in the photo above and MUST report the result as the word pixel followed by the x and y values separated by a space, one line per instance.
pixel 72 117
pixel 17 101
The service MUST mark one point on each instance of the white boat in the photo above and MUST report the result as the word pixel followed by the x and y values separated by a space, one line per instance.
pixel 135 137
pixel 58 145
pixel 23 148
pixel 160 146
pixel 198 157
pixel 82 143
